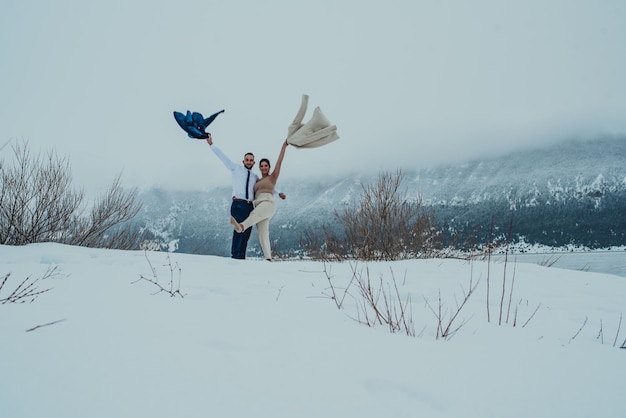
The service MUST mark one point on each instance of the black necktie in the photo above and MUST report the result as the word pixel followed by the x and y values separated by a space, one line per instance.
pixel 247 183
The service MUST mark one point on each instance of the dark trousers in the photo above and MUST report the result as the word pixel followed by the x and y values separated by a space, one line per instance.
pixel 240 211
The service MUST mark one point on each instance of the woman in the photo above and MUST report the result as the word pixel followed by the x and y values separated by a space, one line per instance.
pixel 264 205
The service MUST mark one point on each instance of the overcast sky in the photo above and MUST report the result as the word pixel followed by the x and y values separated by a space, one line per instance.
pixel 408 83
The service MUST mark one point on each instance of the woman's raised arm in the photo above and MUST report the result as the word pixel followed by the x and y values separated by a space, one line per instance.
pixel 279 161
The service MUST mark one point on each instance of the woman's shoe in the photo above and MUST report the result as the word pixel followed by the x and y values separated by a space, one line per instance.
pixel 238 227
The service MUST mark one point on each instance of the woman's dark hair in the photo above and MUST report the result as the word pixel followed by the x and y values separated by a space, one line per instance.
pixel 266 160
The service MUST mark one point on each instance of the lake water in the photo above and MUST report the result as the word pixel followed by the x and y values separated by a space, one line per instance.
pixel 611 262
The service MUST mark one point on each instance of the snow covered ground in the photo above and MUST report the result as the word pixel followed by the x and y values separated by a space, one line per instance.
pixel 258 339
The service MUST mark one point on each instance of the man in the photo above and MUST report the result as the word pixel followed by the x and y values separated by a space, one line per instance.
pixel 243 196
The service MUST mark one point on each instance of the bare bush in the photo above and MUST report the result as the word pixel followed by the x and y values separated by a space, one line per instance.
pixel 385 303
pixel 447 324
pixel 385 225
pixel 39 204
pixel 27 290
pixel 169 288
pixel 334 291
pixel 102 227
pixel 323 244
pixel 377 303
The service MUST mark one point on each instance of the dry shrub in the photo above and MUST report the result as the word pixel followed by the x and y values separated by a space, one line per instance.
pixel 377 302
pixel 385 225
pixel 39 204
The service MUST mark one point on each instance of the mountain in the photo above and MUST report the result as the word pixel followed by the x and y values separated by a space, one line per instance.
pixel 570 194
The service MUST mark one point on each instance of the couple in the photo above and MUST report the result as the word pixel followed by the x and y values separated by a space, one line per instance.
pixel 253 199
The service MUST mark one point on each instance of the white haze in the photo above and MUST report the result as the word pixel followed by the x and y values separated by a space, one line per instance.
pixel 408 83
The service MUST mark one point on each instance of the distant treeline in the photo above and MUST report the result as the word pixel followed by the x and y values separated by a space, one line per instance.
pixel 591 223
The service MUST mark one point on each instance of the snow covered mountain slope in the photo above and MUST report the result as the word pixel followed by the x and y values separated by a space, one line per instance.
pixel 571 193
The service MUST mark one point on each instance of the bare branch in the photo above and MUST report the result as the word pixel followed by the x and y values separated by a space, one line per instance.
pixel 619 326
pixel 531 316
pixel 155 281
pixel 27 290
pixel 45 325
pixel 579 330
